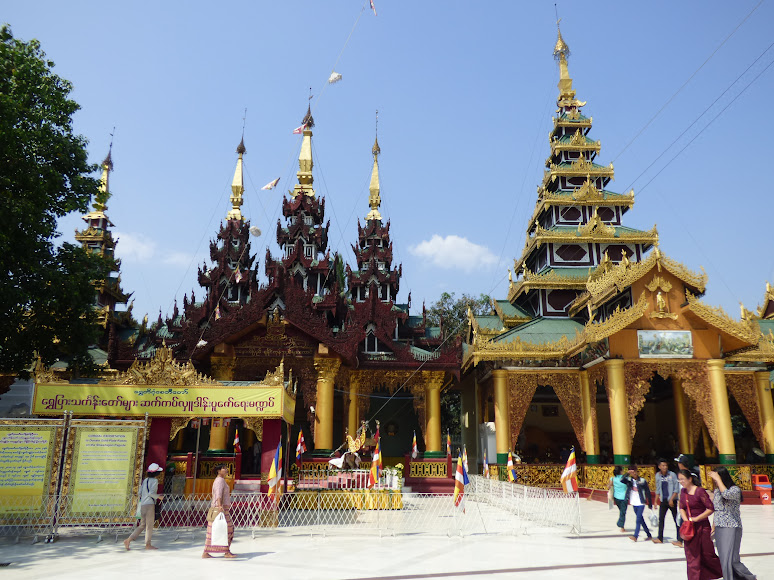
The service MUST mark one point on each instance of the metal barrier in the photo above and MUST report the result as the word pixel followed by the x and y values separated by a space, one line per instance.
pixel 488 507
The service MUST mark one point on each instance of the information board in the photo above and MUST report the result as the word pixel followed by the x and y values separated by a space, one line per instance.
pixel 26 455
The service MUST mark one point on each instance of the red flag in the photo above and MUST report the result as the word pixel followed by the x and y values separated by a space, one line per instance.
pixel 299 130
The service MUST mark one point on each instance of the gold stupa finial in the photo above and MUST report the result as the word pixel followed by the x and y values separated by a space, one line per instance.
pixel 305 163
pixel 561 54
pixel 102 197
pixel 238 184
pixel 374 189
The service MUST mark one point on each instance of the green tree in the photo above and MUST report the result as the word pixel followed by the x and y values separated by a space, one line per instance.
pixel 47 292
pixel 454 312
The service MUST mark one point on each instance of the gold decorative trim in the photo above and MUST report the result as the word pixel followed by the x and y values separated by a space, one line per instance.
pixel 255 424
pixel 717 317
pixel 162 369
pixel 177 425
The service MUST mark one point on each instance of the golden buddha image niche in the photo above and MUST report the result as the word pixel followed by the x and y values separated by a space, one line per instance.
pixel 660 289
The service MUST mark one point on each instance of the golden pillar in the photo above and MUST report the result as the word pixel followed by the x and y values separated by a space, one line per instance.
pixel 720 411
pixel 681 416
pixel 589 403
pixel 352 419
pixel 433 415
pixel 502 415
pixel 766 408
pixel 619 412
pixel 323 429
pixel 218 435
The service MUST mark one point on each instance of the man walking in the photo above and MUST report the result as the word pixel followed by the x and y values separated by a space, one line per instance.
pixel 638 495
pixel 667 489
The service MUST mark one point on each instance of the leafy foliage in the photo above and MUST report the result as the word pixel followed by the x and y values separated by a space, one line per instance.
pixel 454 312
pixel 47 294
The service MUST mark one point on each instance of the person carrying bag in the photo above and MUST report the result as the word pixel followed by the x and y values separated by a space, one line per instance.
pixel 146 507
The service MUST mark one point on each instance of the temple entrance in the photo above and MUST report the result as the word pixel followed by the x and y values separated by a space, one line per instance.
pixel 546 434
pixel 398 422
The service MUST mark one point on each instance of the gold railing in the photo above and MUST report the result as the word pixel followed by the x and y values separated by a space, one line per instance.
pixel 435 469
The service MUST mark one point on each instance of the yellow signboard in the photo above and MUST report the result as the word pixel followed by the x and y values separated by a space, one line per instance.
pixel 163 401
pixel 25 467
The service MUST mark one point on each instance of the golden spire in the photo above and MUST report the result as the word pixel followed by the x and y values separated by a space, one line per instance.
pixel 561 53
pixel 374 199
pixel 238 185
pixel 100 201
pixel 305 163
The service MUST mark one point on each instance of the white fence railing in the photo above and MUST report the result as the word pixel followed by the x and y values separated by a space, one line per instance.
pixel 488 507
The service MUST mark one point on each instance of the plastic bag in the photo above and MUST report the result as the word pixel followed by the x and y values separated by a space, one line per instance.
pixel 219 531
pixel 610 499
pixel 653 519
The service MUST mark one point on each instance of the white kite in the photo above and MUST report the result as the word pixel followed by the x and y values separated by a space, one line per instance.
pixel 271 184
pixel 334 78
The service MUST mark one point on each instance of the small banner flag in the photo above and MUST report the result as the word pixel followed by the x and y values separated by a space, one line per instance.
pixel 217 312
pixel 334 78
pixel 238 275
pixel 511 470
pixel 486 466
pixel 569 475
pixel 237 446
pixel 272 184
pixel 465 458
pixel 201 343
pixel 300 447
pixel 299 130
pixel 376 463
pixel 448 444
pixel 275 476
pixel 372 6
pixel 414 450
pixel 460 481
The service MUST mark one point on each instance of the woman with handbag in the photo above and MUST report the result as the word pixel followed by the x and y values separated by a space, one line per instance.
pixel 695 509
pixel 727 525
pixel 221 504
pixel 146 507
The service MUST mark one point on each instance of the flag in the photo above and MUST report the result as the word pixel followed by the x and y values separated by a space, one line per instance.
pixel 275 476
pixel 448 444
pixel 273 184
pixel 414 450
pixel 511 470
pixel 460 481
pixel 237 446
pixel 569 475
pixel 465 458
pixel 299 130
pixel 334 78
pixel 376 463
pixel 486 466
pixel 201 343
pixel 217 312
pixel 238 275
pixel 372 6
pixel 300 447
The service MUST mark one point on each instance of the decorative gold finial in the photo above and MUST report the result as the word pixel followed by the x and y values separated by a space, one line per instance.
pixel 102 197
pixel 374 199
pixel 561 54
pixel 237 185
pixel 305 163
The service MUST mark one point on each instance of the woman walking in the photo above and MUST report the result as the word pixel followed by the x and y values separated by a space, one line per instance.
pixel 221 498
pixel 696 507
pixel 638 495
pixel 727 525
pixel 619 495
pixel 147 507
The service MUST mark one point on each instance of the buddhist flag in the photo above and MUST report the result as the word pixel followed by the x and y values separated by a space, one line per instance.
pixel 569 475
pixel 238 275
pixel 511 470
pixel 486 466
pixel 465 458
pixel 372 6
pixel 275 476
pixel 300 447
pixel 376 463
pixel 448 444
pixel 460 481
pixel 237 446
pixel 272 184
pixel 414 450
pixel 299 130
pixel 217 312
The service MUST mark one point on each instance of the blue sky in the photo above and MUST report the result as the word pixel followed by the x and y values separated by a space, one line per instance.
pixel 465 93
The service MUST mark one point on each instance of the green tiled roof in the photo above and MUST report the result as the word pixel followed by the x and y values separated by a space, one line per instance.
pixel 581 117
pixel 608 195
pixel 766 325
pixel 569 165
pixel 574 230
pixel 510 310
pixel 542 331
pixel 581 273
pixel 489 321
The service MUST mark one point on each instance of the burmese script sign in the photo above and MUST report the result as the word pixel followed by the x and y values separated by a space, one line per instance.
pixel 102 470
pixel 162 401
pixel 25 467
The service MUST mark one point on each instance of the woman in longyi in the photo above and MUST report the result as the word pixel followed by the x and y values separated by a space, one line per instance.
pixel 221 499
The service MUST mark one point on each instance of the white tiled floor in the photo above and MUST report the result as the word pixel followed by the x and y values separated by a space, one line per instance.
pixel 600 551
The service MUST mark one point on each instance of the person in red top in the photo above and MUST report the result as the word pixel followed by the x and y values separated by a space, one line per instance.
pixel 696 506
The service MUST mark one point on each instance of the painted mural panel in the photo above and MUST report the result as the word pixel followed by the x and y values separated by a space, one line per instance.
pixel 665 343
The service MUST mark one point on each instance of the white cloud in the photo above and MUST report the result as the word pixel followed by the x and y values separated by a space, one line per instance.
pixel 134 247
pixel 182 259
pixel 454 252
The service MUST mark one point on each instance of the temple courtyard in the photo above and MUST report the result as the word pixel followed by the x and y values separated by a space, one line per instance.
pixel 537 553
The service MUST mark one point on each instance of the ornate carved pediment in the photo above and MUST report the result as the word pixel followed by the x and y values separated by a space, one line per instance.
pixel 162 369
pixel 587 191
pixel 595 226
